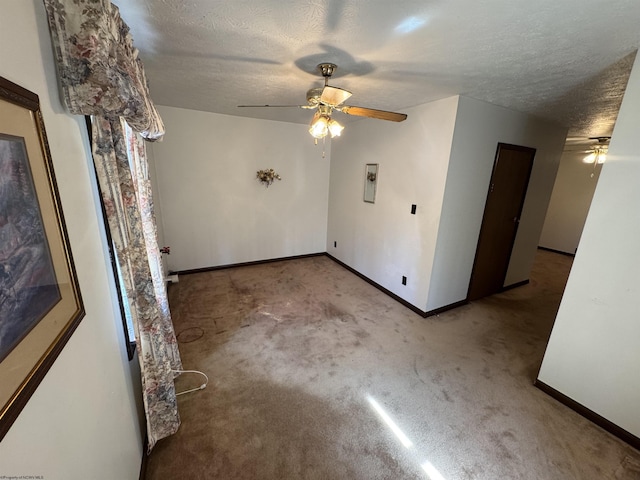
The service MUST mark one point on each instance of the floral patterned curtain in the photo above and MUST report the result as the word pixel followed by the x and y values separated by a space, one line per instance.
pixel 98 66
pixel 100 75
pixel 130 216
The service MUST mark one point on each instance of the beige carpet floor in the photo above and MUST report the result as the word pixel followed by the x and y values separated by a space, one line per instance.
pixel 315 374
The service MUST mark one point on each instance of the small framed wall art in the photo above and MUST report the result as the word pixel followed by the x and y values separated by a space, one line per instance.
pixel 370 182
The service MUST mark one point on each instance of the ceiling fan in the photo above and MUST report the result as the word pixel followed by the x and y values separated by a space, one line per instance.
pixel 327 99
pixel 597 154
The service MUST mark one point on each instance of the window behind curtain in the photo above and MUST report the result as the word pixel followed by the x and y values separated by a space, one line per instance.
pixel 123 300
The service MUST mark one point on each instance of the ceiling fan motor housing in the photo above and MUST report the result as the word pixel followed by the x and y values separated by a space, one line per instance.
pixel 327 69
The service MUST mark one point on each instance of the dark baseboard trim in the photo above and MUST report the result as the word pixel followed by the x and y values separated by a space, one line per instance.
pixel 401 300
pixel 245 264
pixel 451 306
pixel 398 299
pixel 515 285
pixel 145 458
pixel 557 251
pixel 599 420
pixel 378 286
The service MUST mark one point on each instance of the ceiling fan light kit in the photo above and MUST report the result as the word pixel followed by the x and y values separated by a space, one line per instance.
pixel 322 124
pixel 329 98
pixel 319 126
pixel 598 152
pixel 335 129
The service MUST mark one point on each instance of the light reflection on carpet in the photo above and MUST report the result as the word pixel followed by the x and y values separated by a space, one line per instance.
pixel 431 471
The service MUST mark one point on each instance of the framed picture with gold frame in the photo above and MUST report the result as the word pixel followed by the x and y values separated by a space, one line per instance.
pixel 40 301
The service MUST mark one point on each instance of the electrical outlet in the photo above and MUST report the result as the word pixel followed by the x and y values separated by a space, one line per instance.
pixel 335 244
pixel 413 209
pixel 404 280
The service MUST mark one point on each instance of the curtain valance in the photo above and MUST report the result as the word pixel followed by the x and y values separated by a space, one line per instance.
pixel 98 67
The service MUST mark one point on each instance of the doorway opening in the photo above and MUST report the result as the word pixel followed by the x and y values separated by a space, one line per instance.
pixel 505 199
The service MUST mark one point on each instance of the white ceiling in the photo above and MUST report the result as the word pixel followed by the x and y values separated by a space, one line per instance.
pixel 564 60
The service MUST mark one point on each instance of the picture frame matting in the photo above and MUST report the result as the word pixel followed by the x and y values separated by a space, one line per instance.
pixel 40 301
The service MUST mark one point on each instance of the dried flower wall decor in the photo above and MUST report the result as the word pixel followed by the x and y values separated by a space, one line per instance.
pixel 267 176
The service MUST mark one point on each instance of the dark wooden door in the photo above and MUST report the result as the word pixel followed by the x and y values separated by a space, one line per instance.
pixel 507 189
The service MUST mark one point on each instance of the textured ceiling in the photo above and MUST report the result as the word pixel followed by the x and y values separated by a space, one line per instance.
pixel 564 60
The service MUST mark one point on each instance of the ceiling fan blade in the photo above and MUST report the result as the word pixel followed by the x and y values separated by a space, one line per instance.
pixel 372 113
pixel 334 96
pixel 278 106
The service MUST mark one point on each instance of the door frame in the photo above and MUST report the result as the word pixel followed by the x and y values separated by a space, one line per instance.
pixel 500 146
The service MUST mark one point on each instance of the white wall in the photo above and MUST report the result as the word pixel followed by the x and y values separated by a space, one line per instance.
pixel 214 209
pixel 441 159
pixel 383 241
pixel 479 128
pixel 82 421
pixel 569 205
pixel 593 354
